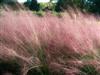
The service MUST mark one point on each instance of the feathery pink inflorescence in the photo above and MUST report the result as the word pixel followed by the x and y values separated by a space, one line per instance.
pixel 63 39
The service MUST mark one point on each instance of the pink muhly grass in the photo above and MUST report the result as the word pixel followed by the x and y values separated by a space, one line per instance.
pixel 64 40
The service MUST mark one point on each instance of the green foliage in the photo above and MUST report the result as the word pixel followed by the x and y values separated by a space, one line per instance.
pixel 0 1
pixel 43 6
pixel 51 5
pixel 57 14
pixel 62 5
pixel 88 5
pixel 88 70
pixel 35 71
pixel 39 71
pixel 47 6
pixel 40 13
pixel 65 4
pixel 10 66
pixel 44 69
pixel 93 6
pixel 32 5
pixel 87 57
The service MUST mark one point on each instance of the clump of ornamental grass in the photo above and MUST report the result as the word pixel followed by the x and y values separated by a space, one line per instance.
pixel 50 45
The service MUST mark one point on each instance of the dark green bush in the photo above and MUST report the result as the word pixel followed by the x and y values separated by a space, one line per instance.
pixel 11 67
pixel 89 70
pixel 39 71
pixel 32 5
